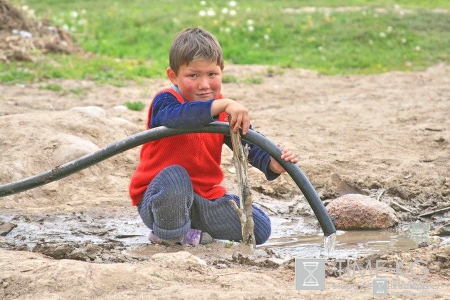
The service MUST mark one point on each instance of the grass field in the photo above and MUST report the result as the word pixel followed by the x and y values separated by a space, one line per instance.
pixel 131 38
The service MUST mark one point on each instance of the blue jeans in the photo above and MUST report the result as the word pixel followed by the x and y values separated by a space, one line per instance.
pixel 170 208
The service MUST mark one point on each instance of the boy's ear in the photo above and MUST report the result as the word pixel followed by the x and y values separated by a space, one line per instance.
pixel 172 76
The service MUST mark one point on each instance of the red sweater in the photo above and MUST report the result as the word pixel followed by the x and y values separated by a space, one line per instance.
pixel 199 153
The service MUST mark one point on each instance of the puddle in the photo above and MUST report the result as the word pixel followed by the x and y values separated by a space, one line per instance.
pixel 303 238
pixel 296 237
pixel 93 227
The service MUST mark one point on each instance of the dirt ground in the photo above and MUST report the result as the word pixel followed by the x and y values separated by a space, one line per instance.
pixel 384 135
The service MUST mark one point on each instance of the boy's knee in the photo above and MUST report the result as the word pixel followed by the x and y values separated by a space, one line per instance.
pixel 174 180
pixel 173 173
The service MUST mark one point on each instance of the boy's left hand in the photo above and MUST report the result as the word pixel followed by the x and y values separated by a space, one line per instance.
pixel 286 155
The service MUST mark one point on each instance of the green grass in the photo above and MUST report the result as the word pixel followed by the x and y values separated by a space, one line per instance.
pixel 253 80
pixel 131 39
pixel 78 91
pixel 57 88
pixel 227 78
pixel 52 87
pixel 137 105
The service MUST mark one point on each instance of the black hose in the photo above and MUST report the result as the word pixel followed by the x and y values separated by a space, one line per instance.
pixel 161 132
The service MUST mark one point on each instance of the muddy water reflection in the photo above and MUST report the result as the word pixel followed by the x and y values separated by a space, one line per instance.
pixel 303 238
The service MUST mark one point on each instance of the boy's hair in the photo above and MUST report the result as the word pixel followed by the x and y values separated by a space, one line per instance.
pixel 192 44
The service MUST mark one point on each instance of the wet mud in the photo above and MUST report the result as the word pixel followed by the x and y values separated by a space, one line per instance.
pixel 102 237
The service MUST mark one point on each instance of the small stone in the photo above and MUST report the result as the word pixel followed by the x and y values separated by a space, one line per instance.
pixel 221 266
pixel 443 230
pixel 445 241
pixel 93 111
pixel 260 253
pixel 423 244
pixel 120 107
pixel 179 260
pixel 6 227
pixel 232 170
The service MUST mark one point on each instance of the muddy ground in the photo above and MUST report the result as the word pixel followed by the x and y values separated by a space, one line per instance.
pixel 384 135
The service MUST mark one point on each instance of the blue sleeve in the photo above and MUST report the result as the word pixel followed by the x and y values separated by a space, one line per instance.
pixel 168 111
pixel 257 157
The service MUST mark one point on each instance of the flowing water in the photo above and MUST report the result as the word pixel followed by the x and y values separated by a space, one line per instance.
pixel 329 243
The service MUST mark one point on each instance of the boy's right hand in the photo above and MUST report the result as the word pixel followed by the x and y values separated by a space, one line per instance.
pixel 237 113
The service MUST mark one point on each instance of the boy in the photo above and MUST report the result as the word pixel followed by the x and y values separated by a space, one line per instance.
pixel 176 185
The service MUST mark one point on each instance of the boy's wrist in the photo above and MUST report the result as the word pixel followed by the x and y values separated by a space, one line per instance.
pixel 219 105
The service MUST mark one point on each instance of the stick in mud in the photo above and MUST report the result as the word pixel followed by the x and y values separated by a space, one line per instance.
pixel 245 210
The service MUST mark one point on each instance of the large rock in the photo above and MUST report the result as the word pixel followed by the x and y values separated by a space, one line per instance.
pixel 354 211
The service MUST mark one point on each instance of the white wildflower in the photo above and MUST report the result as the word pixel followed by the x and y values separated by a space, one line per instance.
pixel 203 3
pixel 232 3
pixel 250 28
pixel 232 12
pixel 225 10
pixel 382 34
pixel 202 13
pixel 74 14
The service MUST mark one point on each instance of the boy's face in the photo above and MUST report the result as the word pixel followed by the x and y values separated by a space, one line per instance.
pixel 200 80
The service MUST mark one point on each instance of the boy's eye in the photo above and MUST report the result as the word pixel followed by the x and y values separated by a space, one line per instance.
pixel 192 75
pixel 212 74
